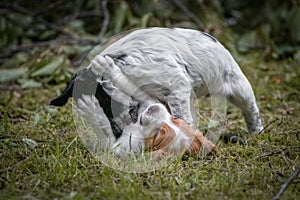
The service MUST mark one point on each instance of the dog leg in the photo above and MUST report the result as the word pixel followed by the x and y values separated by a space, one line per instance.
pixel 179 101
pixel 104 66
pixel 173 89
pixel 243 97
pixel 181 108
pixel 89 108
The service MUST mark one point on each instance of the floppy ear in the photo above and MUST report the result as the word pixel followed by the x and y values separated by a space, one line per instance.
pixel 160 139
pixel 65 95
pixel 199 143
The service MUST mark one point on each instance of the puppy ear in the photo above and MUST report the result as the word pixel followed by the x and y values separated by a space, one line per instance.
pixel 200 145
pixel 65 95
pixel 160 139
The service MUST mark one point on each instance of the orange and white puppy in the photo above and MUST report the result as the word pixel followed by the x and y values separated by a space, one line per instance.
pixel 156 131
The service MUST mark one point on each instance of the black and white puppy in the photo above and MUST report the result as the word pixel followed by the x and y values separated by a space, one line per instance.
pixel 165 65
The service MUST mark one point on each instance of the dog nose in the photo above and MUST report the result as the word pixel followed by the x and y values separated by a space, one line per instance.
pixel 153 109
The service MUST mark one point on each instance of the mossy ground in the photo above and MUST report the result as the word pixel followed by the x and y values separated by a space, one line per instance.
pixel 60 167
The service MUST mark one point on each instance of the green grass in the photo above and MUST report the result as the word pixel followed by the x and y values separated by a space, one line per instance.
pixel 60 167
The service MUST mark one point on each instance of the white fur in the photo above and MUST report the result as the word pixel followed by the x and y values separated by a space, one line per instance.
pixel 180 60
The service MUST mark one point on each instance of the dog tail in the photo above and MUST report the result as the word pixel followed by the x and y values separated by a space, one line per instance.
pixel 63 98
pixel 85 84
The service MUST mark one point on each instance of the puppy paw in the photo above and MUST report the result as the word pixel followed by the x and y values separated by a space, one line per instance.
pixel 101 64
pixel 234 138
pixel 87 106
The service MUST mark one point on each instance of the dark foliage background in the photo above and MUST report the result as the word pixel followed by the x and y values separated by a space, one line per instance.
pixel 44 41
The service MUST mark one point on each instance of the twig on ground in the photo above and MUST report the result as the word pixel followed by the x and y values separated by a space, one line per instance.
pixel 287 182
pixel 272 153
pixel 272 122
pixel 188 13
pixel 283 150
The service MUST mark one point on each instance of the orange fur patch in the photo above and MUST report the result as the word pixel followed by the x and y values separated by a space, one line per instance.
pixel 199 143
pixel 162 137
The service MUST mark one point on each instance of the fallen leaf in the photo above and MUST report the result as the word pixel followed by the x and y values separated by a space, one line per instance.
pixel 11 74
pixel 30 84
pixel 31 143
pixel 276 79
pixel 50 68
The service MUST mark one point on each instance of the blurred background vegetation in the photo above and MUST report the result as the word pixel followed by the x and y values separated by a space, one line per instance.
pixel 44 42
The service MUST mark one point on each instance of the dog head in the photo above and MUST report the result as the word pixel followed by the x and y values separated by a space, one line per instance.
pixel 154 115
pixel 166 134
